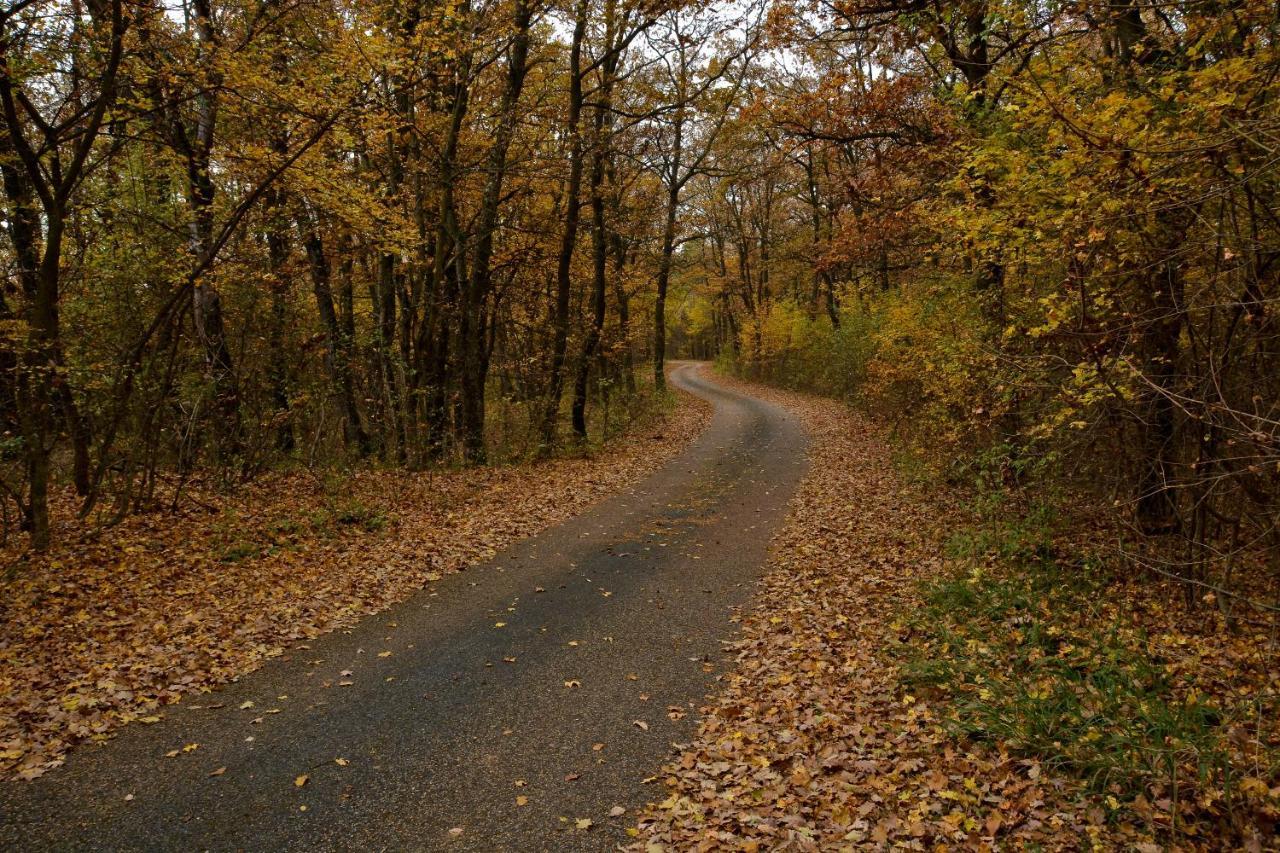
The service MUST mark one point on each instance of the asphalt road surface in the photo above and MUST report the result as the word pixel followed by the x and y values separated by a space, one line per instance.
pixel 560 672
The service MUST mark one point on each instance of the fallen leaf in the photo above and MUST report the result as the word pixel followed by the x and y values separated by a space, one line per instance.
pixel 166 637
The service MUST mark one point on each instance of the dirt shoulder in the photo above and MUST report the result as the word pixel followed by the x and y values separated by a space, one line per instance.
pixel 108 630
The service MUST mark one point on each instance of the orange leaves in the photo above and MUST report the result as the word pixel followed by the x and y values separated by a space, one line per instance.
pixel 813 743
pixel 102 631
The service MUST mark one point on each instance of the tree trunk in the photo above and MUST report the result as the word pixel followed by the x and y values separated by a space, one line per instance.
pixel 569 236
pixel 338 353
pixel 475 294
pixel 277 259
pixel 660 298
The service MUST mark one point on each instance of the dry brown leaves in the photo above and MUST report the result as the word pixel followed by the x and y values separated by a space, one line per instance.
pixel 813 744
pixel 108 630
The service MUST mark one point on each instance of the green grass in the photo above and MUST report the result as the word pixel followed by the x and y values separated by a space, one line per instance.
pixel 233 541
pixel 1028 648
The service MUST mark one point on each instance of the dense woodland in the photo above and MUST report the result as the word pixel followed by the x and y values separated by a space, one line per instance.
pixel 1040 239
pixel 288 285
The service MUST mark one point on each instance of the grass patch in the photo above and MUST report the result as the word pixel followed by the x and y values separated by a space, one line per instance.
pixel 1039 653
pixel 236 539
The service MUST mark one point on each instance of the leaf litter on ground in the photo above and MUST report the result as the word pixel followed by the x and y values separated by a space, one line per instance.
pixel 108 629
pixel 814 742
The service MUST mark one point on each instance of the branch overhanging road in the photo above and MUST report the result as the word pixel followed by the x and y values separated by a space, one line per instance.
pixel 516 670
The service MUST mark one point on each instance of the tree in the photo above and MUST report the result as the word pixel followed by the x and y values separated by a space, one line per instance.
pixel 52 117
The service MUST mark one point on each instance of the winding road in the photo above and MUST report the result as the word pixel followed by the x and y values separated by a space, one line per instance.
pixel 560 672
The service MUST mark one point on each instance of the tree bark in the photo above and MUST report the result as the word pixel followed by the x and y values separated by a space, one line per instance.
pixel 474 296
pixel 568 237
pixel 337 337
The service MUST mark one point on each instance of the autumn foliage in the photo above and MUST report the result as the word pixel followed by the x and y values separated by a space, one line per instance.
pixel 335 248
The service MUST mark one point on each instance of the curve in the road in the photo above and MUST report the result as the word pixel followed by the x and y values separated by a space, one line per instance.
pixel 559 672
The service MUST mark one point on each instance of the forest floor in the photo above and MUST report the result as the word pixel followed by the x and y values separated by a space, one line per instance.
pixel 110 627
pixel 855 715
pixel 524 704
pixel 915 669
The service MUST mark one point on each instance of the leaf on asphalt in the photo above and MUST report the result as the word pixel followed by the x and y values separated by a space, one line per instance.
pixel 341 762
pixel 812 743
pixel 617 811
pixel 218 772
pixel 640 724
pixel 573 682
pixel 583 823
pixel 245 705
pixel 522 800
pixel 301 780
pixel 104 630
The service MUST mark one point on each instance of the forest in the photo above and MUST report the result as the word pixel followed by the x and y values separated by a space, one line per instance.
pixel 1036 244
pixel 242 235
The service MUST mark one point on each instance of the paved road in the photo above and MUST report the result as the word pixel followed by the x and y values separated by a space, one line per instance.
pixel 522 677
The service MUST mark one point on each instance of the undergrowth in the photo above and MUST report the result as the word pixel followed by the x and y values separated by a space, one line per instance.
pixel 1036 650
